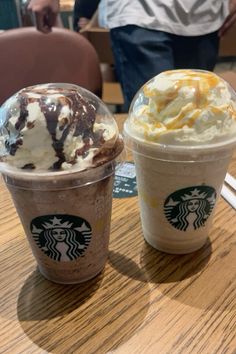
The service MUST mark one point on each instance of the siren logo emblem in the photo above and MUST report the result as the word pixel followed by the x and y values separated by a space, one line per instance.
pixel 63 238
pixel 189 208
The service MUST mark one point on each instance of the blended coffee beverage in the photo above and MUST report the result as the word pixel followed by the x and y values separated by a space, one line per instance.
pixel 59 146
pixel 182 131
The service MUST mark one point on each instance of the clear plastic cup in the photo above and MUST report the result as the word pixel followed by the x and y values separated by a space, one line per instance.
pixel 66 214
pixel 178 187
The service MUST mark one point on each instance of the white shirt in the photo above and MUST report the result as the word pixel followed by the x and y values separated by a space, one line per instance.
pixel 181 17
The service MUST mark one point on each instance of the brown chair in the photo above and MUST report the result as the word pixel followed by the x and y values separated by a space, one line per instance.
pixel 29 57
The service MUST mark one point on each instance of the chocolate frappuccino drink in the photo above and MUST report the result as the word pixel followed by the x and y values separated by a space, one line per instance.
pixel 182 131
pixel 59 145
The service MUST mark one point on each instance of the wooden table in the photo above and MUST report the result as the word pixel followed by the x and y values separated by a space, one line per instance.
pixel 144 301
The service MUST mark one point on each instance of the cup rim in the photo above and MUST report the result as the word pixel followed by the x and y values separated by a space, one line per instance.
pixel 16 173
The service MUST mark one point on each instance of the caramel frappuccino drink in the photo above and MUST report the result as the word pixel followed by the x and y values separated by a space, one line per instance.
pixel 182 131
pixel 59 145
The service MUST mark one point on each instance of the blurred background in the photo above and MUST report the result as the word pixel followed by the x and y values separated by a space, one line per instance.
pixel 14 14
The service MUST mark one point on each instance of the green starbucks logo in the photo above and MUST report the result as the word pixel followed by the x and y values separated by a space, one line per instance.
pixel 63 238
pixel 189 208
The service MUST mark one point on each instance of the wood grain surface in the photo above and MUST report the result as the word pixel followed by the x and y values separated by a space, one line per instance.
pixel 145 301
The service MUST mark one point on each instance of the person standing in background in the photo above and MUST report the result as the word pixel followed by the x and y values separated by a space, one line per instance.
pixel 83 12
pixel 47 13
pixel 151 36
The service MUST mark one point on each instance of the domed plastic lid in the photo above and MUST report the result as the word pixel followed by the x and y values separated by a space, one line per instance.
pixel 56 127
pixel 179 109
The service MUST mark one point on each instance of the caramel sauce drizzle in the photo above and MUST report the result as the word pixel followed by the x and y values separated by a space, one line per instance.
pixel 201 83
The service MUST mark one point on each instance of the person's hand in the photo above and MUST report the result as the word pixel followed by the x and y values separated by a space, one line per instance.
pixel 82 23
pixel 46 12
pixel 230 20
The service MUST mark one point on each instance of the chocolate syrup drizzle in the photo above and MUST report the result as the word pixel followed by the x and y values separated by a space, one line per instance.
pixel 79 123
pixel 51 113
pixel 20 124
pixel 23 101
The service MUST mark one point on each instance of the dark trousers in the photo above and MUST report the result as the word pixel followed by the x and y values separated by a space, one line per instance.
pixel 141 54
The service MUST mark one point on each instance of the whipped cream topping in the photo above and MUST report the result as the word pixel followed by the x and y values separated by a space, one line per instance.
pixel 51 128
pixel 183 107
